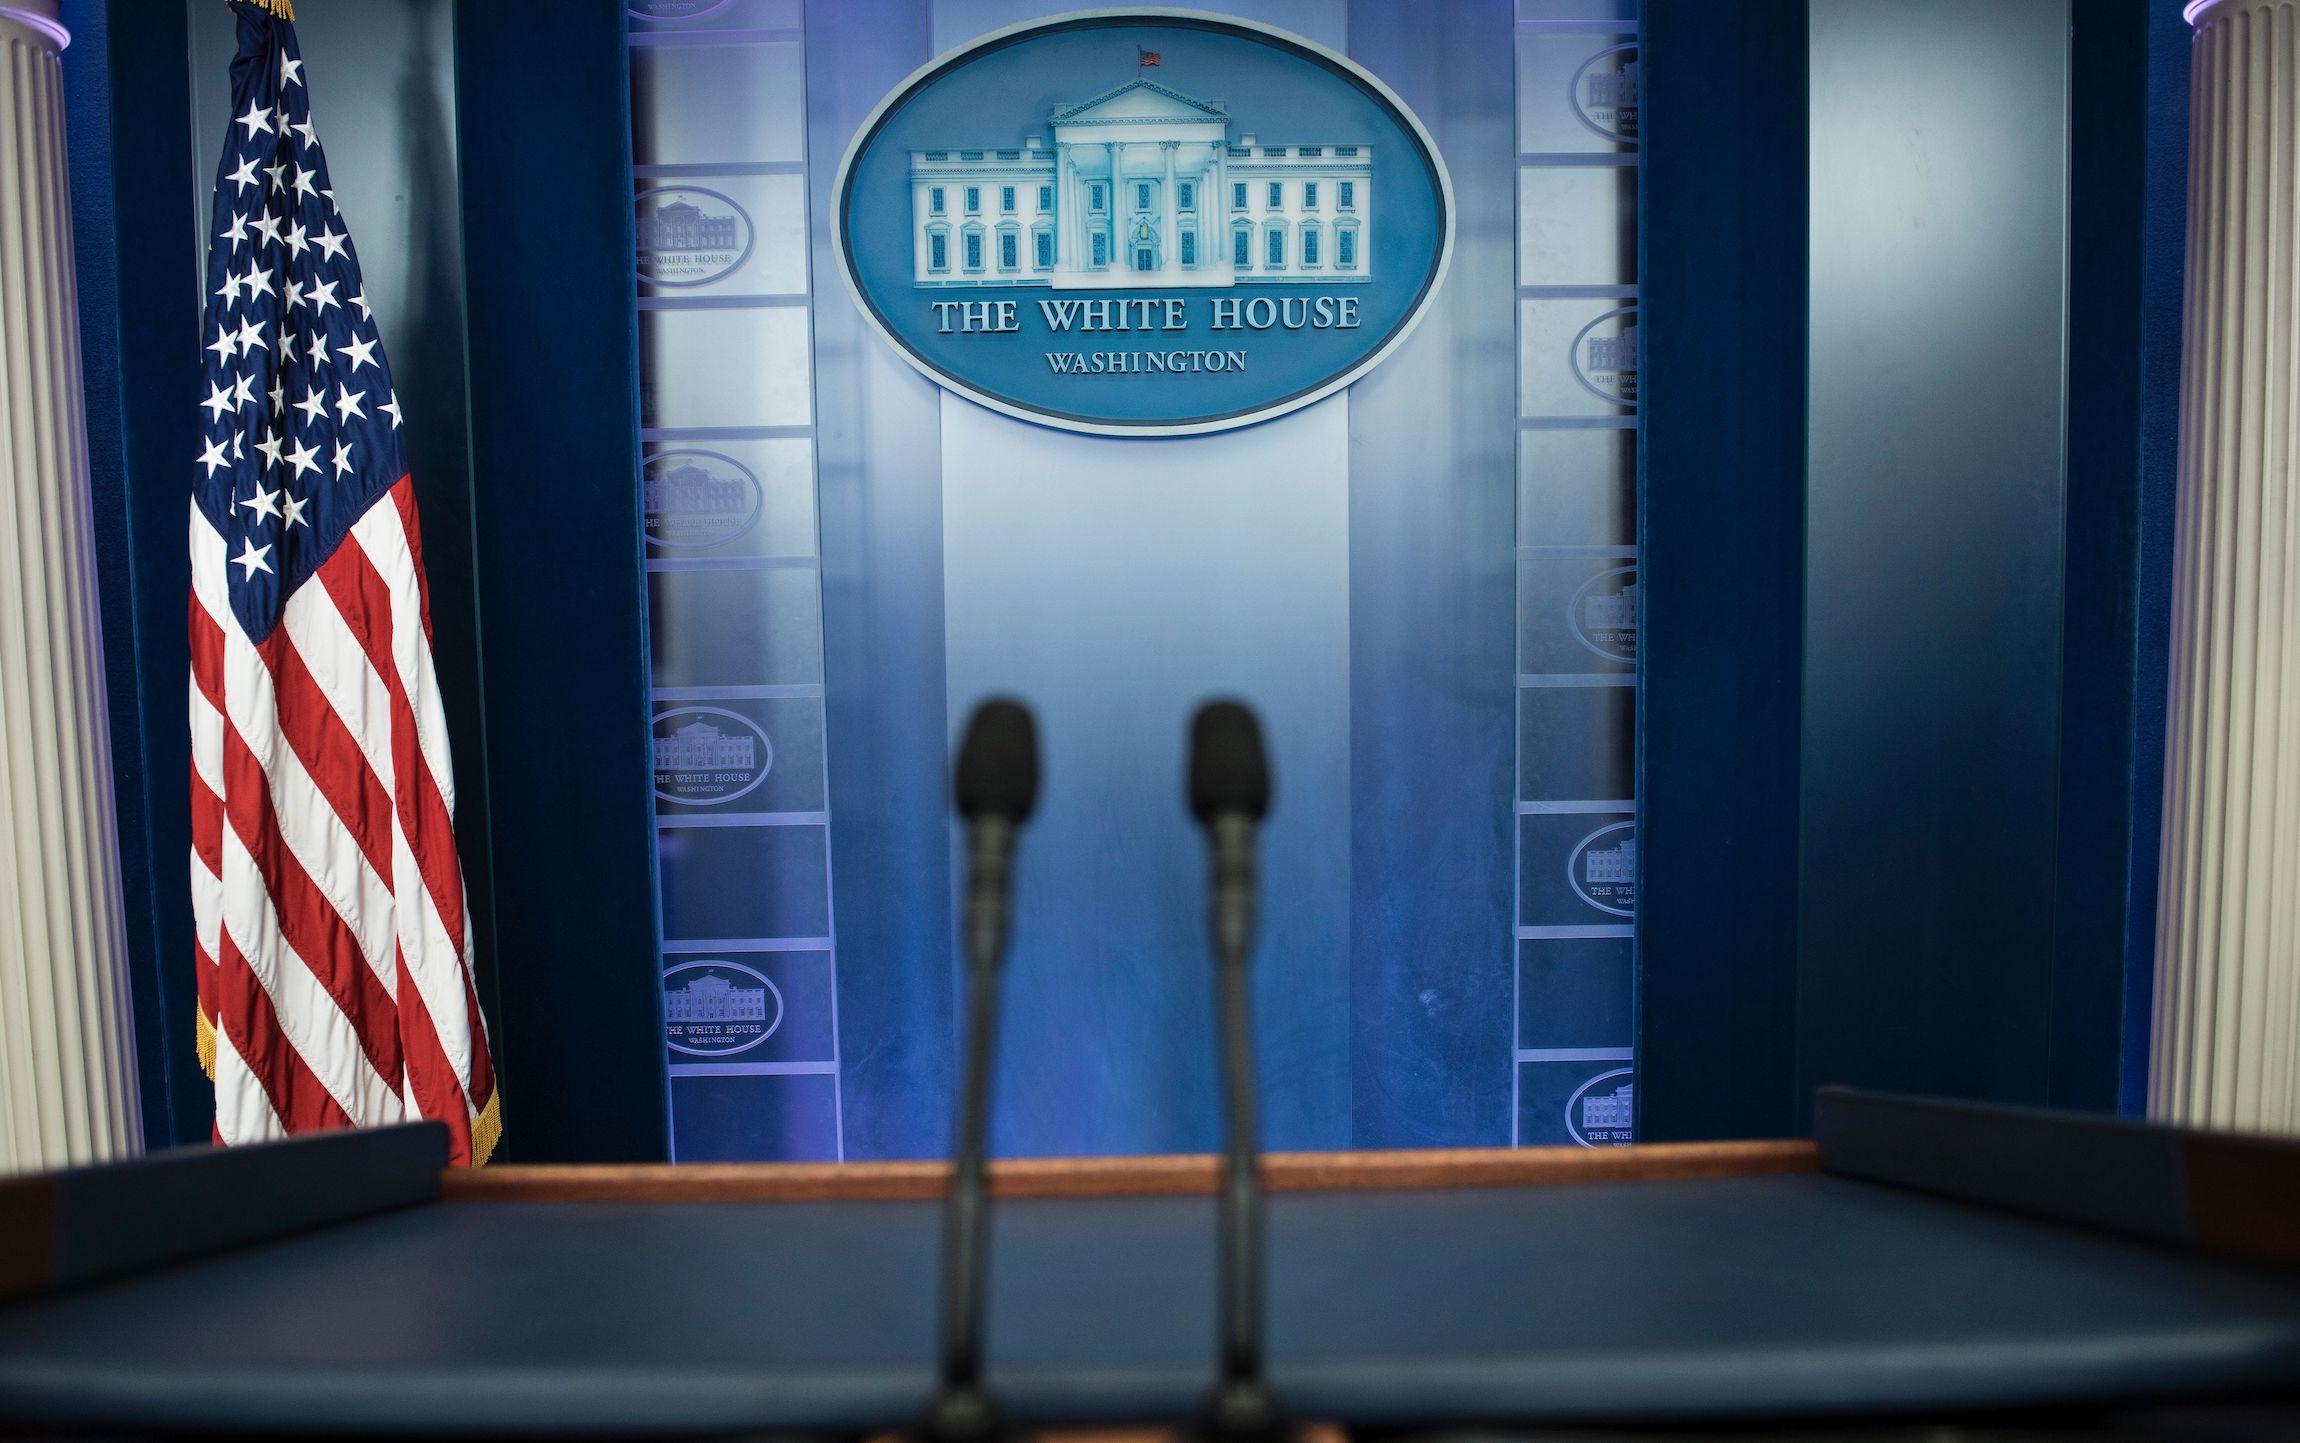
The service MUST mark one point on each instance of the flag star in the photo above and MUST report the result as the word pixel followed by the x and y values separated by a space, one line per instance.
pixel 360 301
pixel 304 185
pixel 258 282
pixel 292 296
pixel 331 242
pixel 329 197
pixel 290 73
pixel 219 400
pixel 229 291
pixel 237 231
pixel 391 408
pixel 256 119
pixel 321 295
pixel 245 176
pixel 244 390
pixel 251 558
pixel 213 458
pixel 227 340
pixel 342 457
pixel 263 503
pixel 301 458
pixel 295 511
pixel 296 241
pixel 347 404
pixel 360 353
pixel 279 390
pixel 237 450
pixel 313 407
pixel 310 136
pixel 252 336
pixel 319 350
pixel 275 171
pixel 270 446
pixel 287 345
pixel 268 226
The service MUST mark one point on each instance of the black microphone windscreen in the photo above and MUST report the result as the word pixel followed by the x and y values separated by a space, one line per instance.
pixel 1228 772
pixel 998 762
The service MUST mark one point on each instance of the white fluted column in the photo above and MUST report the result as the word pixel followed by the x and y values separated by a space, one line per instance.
pixel 67 1086
pixel 2227 1022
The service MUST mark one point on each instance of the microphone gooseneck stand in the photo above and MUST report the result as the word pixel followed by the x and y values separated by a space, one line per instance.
pixel 996 786
pixel 1230 792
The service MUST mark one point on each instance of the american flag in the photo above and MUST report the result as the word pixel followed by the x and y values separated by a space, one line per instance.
pixel 334 954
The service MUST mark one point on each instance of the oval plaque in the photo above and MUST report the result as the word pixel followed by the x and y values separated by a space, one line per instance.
pixel 1143 223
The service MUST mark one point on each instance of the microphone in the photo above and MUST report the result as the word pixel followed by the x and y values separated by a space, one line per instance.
pixel 995 787
pixel 1229 793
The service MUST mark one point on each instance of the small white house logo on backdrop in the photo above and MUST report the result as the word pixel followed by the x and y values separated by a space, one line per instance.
pixel 1603 614
pixel 1602 869
pixel 1604 356
pixel 707 756
pixel 673 10
pixel 718 1008
pixel 1604 93
pixel 1601 1116
pixel 689 236
pixel 693 499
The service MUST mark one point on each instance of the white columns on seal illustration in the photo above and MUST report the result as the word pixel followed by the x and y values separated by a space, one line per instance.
pixel 67 1049
pixel 1170 243
pixel 2227 1018
pixel 1064 252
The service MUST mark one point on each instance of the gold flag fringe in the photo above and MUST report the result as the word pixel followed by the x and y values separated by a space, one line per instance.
pixel 284 9
pixel 487 1127
pixel 206 1045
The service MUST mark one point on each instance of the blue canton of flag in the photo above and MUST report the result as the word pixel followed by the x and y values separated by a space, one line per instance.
pixel 299 422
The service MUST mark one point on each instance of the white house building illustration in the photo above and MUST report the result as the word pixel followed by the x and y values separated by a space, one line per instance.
pixel 712 998
pixel 1614 864
pixel 699 747
pixel 1610 1110
pixel 1143 186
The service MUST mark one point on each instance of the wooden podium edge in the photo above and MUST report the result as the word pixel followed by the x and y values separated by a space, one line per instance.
pixel 1170 1175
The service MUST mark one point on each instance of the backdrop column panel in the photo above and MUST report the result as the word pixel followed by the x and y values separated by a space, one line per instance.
pixel 1933 586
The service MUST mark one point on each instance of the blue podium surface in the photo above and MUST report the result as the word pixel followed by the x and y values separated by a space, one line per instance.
pixel 1644 1286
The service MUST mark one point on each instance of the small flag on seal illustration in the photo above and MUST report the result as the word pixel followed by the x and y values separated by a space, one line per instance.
pixel 1144 59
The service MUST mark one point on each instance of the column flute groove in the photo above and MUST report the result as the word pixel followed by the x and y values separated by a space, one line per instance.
pixel 2226 1032
pixel 67 1086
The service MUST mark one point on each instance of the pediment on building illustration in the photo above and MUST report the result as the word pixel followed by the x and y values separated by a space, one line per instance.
pixel 1140 101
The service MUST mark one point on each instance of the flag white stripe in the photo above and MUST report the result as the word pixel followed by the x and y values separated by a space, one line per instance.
pixel 244 1111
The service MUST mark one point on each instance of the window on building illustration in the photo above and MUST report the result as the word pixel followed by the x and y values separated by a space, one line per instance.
pixel 934 200
pixel 1349 195
pixel 1145 259
pixel 938 253
pixel 974 250
pixel 1094 197
pixel 1242 248
pixel 1310 246
pixel 1277 249
pixel 1345 249
pixel 1042 249
pixel 1238 195
pixel 1309 195
pixel 973 199
pixel 1277 195
pixel 1045 198
pixel 1101 249
pixel 1006 199
pixel 1009 250
pixel 1189 248
pixel 1186 194
pixel 1142 197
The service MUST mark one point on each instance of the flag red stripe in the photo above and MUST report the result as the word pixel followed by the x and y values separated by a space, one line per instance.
pixel 308 920
pixel 364 599
pixel 247 1018
pixel 438 1092
pixel 329 752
